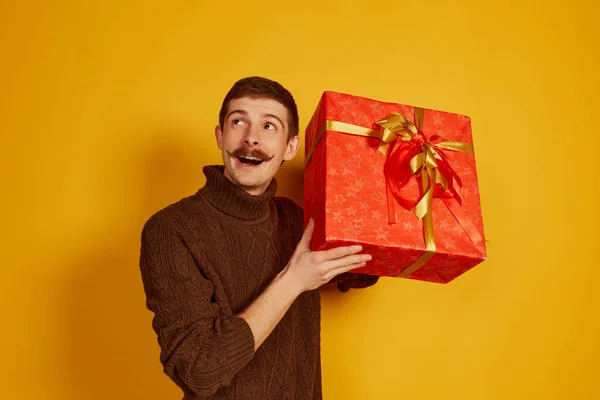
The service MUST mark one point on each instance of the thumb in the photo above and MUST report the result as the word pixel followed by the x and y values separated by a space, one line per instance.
pixel 304 243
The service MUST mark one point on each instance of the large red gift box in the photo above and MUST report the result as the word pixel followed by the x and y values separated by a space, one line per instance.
pixel 399 180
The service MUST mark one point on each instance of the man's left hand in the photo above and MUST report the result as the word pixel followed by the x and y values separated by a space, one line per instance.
pixel 350 280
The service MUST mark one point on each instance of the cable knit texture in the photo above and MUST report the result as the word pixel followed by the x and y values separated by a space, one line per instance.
pixel 203 260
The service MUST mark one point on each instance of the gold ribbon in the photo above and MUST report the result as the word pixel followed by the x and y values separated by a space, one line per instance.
pixel 424 164
pixel 341 127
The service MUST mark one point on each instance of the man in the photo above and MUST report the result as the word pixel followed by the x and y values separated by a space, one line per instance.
pixel 228 272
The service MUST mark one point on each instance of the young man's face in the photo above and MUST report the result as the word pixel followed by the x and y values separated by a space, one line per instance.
pixel 254 142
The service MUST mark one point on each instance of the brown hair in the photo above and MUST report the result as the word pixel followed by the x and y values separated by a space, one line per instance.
pixel 256 86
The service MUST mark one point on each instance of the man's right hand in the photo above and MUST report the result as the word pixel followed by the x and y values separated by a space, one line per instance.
pixel 308 270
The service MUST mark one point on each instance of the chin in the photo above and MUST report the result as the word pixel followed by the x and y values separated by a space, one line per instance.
pixel 250 179
pixel 248 182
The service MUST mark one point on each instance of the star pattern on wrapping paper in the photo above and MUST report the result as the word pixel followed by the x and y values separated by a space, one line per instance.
pixel 467 173
pixel 354 186
pixel 458 229
pixel 407 225
pixel 463 119
pixel 351 211
pixel 364 206
pixel 337 216
pixel 468 192
pixel 460 170
pixel 333 172
pixel 346 104
pixel 347 171
pixel 450 243
pixel 349 146
pixel 335 150
pixel 350 235
pixel 357 159
pixel 358 184
pixel 438 119
pixel 339 198
pixel 382 233
pixel 376 109
pixel 359 224
pixel 444 224
pixel 376 214
pixel 379 184
pixel 377 197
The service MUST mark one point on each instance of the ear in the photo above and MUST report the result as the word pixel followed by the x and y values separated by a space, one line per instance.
pixel 219 136
pixel 292 148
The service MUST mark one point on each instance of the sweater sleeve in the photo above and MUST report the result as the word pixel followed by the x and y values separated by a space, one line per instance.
pixel 201 350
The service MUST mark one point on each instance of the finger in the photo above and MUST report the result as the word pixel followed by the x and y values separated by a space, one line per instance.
pixel 342 262
pixel 304 243
pixel 338 252
pixel 335 272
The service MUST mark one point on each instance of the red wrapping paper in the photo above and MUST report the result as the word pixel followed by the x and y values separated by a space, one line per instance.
pixel 345 193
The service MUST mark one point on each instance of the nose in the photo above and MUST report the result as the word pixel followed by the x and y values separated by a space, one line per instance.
pixel 252 136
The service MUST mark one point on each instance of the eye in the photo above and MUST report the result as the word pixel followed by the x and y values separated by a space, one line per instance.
pixel 237 121
pixel 270 126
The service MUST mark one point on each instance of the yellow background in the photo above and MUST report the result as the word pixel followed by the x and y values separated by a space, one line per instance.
pixel 106 115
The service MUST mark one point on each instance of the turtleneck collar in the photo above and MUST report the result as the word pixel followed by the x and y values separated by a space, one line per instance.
pixel 230 199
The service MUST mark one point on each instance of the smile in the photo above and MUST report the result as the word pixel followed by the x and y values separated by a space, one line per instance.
pixel 250 161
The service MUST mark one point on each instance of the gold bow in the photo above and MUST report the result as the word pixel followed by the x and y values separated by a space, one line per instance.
pixel 398 126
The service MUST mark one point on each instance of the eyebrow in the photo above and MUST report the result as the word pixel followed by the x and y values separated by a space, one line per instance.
pixel 245 114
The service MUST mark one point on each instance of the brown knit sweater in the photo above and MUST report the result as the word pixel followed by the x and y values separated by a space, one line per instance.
pixel 203 260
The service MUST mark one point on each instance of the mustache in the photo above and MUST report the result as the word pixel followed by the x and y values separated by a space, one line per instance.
pixel 247 152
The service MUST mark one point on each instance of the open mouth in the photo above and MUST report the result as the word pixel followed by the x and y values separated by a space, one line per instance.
pixel 250 161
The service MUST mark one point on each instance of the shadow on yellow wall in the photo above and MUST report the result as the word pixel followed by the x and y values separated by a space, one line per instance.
pixel 112 349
